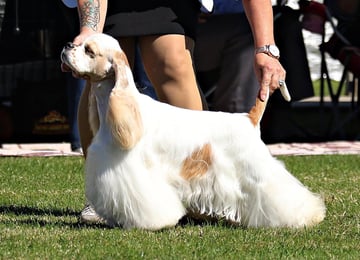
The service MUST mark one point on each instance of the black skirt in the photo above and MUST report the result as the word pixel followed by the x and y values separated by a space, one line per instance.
pixel 151 17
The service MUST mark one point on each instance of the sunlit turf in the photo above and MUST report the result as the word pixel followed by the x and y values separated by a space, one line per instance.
pixel 41 198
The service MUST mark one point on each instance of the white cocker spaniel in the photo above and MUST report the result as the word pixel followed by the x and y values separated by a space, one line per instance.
pixel 150 163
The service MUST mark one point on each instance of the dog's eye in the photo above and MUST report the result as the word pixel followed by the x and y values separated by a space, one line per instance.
pixel 89 51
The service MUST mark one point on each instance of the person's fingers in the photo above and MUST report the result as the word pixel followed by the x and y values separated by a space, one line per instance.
pixel 274 82
pixel 82 36
pixel 271 81
pixel 265 84
pixel 78 40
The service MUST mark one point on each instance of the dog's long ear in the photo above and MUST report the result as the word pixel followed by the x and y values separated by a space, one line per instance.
pixel 120 65
pixel 124 115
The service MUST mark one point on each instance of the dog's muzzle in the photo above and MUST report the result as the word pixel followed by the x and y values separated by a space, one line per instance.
pixel 68 46
pixel 63 56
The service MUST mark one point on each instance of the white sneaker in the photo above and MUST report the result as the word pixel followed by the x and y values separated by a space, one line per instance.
pixel 89 216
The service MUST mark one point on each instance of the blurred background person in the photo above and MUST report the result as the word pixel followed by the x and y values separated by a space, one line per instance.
pixel 223 58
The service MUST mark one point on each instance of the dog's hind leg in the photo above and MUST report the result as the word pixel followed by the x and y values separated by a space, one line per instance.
pixel 279 199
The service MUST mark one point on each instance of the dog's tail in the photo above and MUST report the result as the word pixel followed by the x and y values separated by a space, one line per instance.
pixel 257 111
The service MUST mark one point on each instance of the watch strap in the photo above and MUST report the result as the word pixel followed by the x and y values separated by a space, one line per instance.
pixel 266 49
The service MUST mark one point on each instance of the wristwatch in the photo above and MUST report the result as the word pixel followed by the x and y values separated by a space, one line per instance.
pixel 271 50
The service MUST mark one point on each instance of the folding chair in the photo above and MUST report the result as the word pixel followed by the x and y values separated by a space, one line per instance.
pixel 314 19
pixel 339 47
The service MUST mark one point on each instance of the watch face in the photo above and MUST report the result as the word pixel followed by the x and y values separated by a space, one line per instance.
pixel 274 50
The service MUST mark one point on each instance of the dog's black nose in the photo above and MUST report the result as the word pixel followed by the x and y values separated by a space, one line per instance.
pixel 69 45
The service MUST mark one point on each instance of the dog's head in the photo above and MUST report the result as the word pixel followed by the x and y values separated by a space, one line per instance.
pixel 94 59
pixel 98 58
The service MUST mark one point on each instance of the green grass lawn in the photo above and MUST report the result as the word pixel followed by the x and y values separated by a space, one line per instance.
pixel 41 198
pixel 335 85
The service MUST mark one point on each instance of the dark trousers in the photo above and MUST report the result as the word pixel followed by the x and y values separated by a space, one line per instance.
pixel 74 89
pixel 223 57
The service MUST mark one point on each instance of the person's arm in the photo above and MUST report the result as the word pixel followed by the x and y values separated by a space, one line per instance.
pixel 92 14
pixel 268 69
pixel 260 16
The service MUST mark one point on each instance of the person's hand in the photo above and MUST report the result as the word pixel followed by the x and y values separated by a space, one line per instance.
pixel 269 72
pixel 85 32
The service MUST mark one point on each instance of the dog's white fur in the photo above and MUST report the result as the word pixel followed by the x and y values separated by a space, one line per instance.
pixel 150 163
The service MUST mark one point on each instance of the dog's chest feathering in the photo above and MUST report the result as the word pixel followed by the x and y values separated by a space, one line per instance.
pixel 101 92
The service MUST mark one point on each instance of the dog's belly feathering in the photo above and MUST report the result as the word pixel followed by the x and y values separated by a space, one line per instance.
pixel 249 195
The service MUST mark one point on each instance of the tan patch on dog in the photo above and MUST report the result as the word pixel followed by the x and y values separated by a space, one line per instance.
pixel 198 163
pixel 123 114
pixel 257 111
pixel 100 70
pixel 93 45
pixel 120 62
pixel 124 118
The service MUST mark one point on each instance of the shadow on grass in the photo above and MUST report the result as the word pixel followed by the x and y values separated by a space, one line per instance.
pixel 190 220
pixel 25 210
pixel 65 218
pixel 44 217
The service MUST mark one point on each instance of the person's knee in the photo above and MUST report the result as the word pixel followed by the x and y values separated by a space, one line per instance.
pixel 177 64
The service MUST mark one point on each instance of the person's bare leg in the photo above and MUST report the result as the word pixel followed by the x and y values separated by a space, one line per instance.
pixel 127 44
pixel 83 119
pixel 168 63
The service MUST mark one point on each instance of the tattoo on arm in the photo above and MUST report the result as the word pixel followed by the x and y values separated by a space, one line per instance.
pixel 90 14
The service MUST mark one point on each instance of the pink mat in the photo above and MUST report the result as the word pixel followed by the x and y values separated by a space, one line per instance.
pixel 44 149
pixel 63 149
pixel 336 147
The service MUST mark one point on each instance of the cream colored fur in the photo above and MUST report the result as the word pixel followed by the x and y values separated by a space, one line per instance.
pixel 150 163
